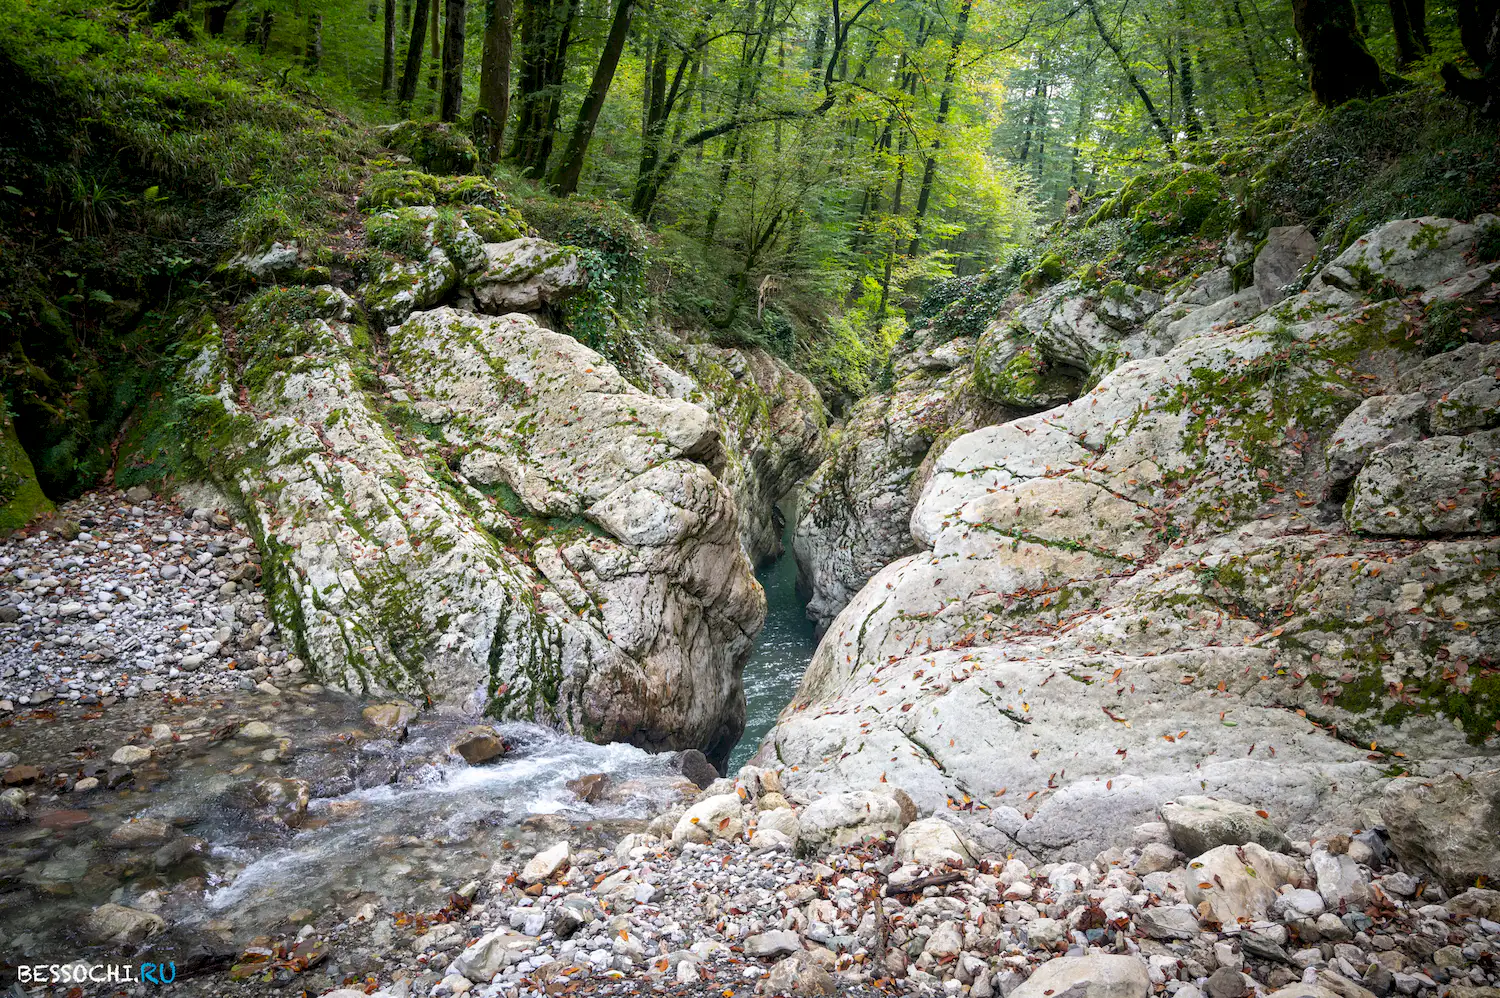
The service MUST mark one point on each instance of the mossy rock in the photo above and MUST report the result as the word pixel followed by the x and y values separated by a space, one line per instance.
pixel 1194 204
pixel 435 146
pixel 486 208
pixel 1049 271
pixel 1015 373
pixel 21 498
pixel 400 189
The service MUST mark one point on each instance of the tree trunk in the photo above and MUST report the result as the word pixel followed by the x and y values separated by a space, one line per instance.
pixel 929 171
pixel 214 16
pixel 388 60
pixel 1340 68
pixel 453 61
pixel 413 67
pixel 743 90
pixel 546 31
pixel 1190 122
pixel 314 54
pixel 565 177
pixel 1030 123
pixel 1132 79
pixel 494 76
pixel 1479 30
pixel 1409 25
pixel 435 63
pixel 1260 84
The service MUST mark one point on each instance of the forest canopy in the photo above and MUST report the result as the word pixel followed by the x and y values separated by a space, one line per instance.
pixel 814 176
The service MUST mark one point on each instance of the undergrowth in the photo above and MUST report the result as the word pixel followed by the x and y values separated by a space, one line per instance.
pixel 141 160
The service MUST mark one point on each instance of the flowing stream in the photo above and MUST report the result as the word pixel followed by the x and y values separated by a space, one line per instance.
pixel 782 652
pixel 398 821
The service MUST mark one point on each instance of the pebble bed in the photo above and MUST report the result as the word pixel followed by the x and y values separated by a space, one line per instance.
pixel 120 595
pixel 923 912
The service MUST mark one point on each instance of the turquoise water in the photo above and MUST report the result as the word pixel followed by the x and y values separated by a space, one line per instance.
pixel 785 646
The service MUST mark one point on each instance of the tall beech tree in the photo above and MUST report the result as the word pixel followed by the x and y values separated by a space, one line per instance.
pixel 453 60
pixel 565 178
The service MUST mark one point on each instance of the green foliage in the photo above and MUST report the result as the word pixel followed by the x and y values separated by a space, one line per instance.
pixel 623 244
pixel 963 306
pixel 1347 170
pixel 146 159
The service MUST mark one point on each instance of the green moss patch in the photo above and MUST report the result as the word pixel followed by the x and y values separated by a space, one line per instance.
pixel 21 497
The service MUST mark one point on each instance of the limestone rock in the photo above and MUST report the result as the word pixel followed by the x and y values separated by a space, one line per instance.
pixel 1288 251
pixel 1447 825
pixel 771 422
pixel 1092 587
pixel 121 926
pixel 1237 884
pixel 478 744
pixel 1377 423
pixel 855 511
pixel 141 833
pixel 1157 857
pixel 715 817
pixel 783 820
pixel 437 147
pixel 1169 922
pixel 1094 976
pixel 490 954
pixel 1199 824
pixel 397 288
pixel 524 274
pixel 392 717
pixel 932 842
pixel 839 819
pixel 777 942
pixel 1422 488
pixel 1414 253
pixel 546 863
pixel 1083 330
pixel 591 787
pixel 692 764
pixel 1339 880
pixel 1012 371
pixel 797 975
pixel 645 579
pixel 1472 405
pixel 274 260
pixel 130 755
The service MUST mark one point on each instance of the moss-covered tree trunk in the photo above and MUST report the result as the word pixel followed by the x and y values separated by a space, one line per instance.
pixel 21 497
pixel 453 61
pixel 1479 30
pixel 1340 68
pixel 435 23
pixel 214 16
pixel 1409 25
pixel 314 55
